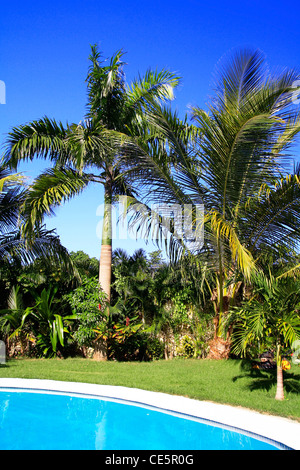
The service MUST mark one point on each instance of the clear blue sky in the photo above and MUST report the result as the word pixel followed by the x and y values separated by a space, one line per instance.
pixel 44 49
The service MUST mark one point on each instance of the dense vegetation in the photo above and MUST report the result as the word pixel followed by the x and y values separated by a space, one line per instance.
pixel 231 285
pixel 153 304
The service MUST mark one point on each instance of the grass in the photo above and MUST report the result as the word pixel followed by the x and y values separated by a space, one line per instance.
pixel 229 382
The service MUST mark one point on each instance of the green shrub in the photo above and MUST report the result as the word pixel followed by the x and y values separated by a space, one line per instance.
pixel 88 303
pixel 155 348
pixel 186 347
pixel 131 342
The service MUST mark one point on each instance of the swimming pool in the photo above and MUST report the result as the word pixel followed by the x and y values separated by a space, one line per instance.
pixel 41 419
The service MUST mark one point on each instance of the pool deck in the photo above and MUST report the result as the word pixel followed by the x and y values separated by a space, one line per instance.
pixel 280 430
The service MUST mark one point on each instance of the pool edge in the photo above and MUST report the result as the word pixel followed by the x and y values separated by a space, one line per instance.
pixel 279 430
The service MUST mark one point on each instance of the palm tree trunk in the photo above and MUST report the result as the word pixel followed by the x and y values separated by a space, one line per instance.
pixel 105 268
pixel 100 351
pixel 219 348
pixel 221 293
pixel 279 389
pixel 106 244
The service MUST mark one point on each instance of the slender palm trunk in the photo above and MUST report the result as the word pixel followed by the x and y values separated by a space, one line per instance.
pixel 106 244
pixel 279 389
pixel 221 293
pixel 100 352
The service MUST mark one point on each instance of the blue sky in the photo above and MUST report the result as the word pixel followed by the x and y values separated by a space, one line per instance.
pixel 44 49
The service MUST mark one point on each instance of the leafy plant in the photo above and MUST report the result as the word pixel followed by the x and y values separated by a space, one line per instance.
pixel 41 324
pixel 50 328
pixel 125 341
pixel 12 319
pixel 186 347
pixel 88 304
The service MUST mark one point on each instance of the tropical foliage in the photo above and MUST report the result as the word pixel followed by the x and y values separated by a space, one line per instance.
pixel 42 325
pixel 219 192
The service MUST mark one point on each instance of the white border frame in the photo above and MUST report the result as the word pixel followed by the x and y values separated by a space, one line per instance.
pixel 281 430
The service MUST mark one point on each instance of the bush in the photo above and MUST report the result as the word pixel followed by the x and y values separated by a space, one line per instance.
pixel 155 348
pixel 186 347
pixel 131 342
pixel 88 303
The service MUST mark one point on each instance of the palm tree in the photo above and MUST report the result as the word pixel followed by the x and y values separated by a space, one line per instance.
pixel 270 318
pixel 92 151
pixel 232 160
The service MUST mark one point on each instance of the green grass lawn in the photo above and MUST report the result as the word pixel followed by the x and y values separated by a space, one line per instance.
pixel 228 382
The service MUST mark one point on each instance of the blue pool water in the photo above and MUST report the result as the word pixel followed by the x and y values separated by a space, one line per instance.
pixel 30 420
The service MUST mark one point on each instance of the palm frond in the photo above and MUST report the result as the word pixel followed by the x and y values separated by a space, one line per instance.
pixel 106 89
pixel 273 216
pixel 50 189
pixel 44 139
pixel 15 299
pixel 224 230
pixel 236 77
pixel 148 223
pixel 44 244
pixel 152 87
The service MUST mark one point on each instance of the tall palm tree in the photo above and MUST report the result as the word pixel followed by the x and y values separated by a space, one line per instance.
pixel 91 151
pixel 232 160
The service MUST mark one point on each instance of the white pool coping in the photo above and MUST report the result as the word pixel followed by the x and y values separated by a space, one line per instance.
pixel 280 430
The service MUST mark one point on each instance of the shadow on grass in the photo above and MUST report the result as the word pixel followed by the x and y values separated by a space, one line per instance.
pixel 266 379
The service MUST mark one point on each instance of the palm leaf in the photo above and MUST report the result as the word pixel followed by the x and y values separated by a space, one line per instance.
pixel 151 88
pixel 272 217
pixel 15 300
pixel 50 189
pixel 44 139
